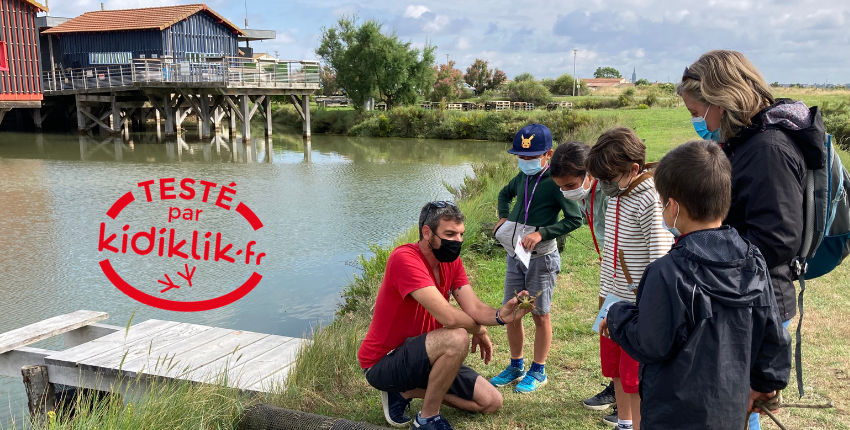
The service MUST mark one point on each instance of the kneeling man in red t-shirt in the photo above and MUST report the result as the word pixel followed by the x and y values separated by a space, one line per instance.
pixel 417 341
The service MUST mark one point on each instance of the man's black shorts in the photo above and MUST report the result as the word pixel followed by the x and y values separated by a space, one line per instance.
pixel 407 367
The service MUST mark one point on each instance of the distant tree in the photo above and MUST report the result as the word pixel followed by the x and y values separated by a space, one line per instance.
pixel 527 91
pixel 449 83
pixel 367 63
pixel 328 79
pixel 524 77
pixel 606 72
pixel 642 83
pixel 563 85
pixel 478 75
pixel 775 84
pixel 498 79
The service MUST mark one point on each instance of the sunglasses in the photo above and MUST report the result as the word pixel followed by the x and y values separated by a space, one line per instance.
pixel 687 74
pixel 439 204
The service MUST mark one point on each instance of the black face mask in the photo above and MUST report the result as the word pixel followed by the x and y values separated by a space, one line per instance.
pixel 448 251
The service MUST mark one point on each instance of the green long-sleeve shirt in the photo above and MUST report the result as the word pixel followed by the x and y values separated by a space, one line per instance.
pixel 546 203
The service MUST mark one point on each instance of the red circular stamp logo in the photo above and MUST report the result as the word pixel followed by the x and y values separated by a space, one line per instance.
pixel 168 242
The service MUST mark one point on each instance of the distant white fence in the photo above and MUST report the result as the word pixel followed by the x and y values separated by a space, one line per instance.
pixel 229 72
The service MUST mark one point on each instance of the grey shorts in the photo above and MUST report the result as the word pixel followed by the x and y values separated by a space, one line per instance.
pixel 538 278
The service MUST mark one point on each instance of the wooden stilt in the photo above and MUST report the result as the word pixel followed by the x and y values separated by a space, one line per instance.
pixel 204 116
pixel 305 107
pixel 116 116
pixel 81 117
pixel 246 118
pixel 267 107
pixel 41 397
pixel 169 115
pixel 37 118
pixel 232 119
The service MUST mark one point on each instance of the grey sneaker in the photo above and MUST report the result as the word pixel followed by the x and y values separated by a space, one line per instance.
pixel 395 407
pixel 611 420
pixel 603 400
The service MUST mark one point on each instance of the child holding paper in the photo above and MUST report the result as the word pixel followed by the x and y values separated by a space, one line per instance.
pixel 532 226
pixel 634 237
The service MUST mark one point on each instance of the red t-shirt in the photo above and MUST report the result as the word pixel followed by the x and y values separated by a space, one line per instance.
pixel 398 315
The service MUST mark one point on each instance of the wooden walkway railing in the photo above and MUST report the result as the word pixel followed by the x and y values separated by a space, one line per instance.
pixel 227 72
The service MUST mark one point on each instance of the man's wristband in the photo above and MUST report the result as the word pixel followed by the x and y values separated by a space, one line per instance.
pixel 499 320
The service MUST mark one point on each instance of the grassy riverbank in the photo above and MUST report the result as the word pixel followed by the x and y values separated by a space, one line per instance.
pixel 327 379
pixel 671 124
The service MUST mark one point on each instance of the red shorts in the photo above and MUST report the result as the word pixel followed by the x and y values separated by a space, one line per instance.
pixel 617 364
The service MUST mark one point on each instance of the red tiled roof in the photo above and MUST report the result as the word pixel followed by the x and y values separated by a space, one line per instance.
pixel 40 6
pixel 603 82
pixel 152 18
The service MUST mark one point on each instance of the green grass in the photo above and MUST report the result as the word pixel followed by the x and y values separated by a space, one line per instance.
pixel 327 379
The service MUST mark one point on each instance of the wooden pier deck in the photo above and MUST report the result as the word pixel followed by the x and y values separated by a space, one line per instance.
pixel 111 358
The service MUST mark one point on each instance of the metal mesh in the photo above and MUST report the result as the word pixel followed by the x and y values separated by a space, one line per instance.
pixel 266 417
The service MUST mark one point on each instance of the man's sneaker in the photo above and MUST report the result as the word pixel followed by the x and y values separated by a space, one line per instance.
pixel 436 422
pixel 509 375
pixel 531 382
pixel 611 420
pixel 394 408
pixel 603 400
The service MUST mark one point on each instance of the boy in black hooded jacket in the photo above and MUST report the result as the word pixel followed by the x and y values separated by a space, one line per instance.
pixel 706 327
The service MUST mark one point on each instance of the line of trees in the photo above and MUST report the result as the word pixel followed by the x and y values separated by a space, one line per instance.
pixel 363 62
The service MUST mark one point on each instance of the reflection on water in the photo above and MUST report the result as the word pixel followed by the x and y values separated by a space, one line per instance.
pixel 322 201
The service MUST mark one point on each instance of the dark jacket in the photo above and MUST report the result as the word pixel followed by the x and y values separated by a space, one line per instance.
pixel 547 203
pixel 705 324
pixel 768 174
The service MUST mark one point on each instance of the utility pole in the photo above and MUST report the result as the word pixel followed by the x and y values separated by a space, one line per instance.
pixel 447 59
pixel 575 81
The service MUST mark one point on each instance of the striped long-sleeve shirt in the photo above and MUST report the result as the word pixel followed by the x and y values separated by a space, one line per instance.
pixel 633 225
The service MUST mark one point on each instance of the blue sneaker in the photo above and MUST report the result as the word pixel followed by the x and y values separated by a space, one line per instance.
pixel 509 375
pixel 531 382
pixel 394 408
pixel 437 422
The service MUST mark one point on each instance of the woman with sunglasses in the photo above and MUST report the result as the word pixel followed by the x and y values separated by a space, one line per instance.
pixel 771 144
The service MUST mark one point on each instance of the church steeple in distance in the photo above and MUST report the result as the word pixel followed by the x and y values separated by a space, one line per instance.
pixel 634 75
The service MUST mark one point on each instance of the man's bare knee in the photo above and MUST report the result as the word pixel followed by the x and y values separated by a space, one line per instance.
pixel 487 397
pixel 494 404
pixel 447 341
pixel 459 342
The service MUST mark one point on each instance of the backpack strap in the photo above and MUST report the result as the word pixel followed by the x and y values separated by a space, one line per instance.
pixel 798 350
pixel 648 173
pixel 799 267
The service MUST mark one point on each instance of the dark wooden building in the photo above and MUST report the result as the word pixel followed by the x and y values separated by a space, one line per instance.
pixel 20 80
pixel 180 33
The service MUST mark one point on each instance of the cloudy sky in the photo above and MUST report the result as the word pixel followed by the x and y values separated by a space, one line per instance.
pixel 790 41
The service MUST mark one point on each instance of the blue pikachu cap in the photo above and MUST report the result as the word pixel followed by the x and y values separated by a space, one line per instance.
pixel 532 140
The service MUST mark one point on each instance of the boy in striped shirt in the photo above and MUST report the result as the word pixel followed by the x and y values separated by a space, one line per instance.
pixel 634 238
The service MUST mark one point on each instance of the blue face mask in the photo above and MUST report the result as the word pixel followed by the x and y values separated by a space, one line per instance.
pixel 530 167
pixel 673 230
pixel 701 128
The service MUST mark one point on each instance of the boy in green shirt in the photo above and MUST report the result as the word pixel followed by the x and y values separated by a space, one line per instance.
pixel 534 223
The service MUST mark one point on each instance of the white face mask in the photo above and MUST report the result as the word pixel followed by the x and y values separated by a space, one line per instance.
pixel 579 193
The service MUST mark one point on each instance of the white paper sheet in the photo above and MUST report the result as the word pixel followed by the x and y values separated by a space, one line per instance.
pixel 521 253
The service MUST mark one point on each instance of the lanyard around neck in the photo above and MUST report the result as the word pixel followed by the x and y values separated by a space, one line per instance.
pixel 527 202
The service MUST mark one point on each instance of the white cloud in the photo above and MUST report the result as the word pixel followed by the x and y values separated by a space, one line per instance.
pixel 639 53
pixel 415 11
pixel 463 44
pixel 437 24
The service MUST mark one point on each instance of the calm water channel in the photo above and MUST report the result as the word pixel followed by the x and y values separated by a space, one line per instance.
pixel 321 204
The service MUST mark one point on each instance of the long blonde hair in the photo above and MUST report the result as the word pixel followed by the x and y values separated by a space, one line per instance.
pixel 728 79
